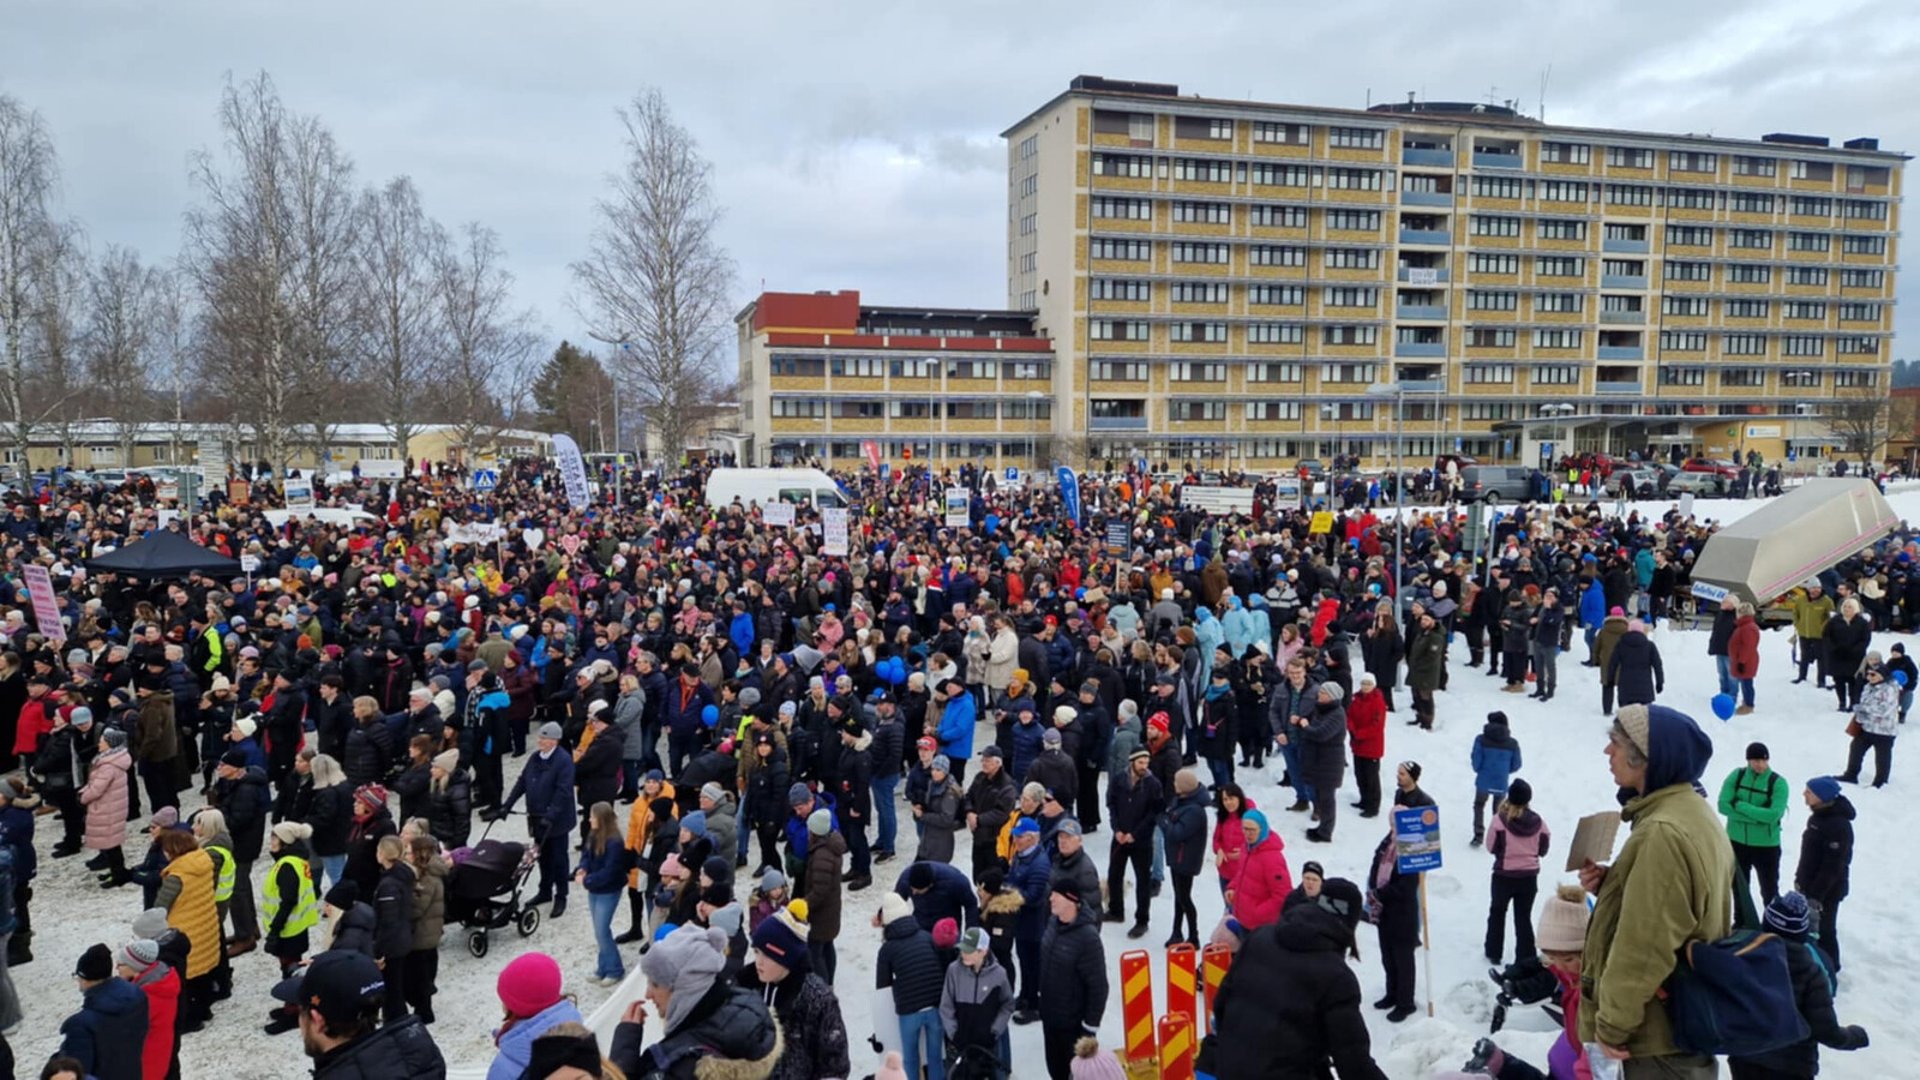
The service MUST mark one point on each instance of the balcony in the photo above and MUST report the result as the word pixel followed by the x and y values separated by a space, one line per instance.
pixel 1617 386
pixel 1624 318
pixel 1623 352
pixel 1627 247
pixel 1423 275
pixel 1441 158
pixel 1623 281
pixel 1420 311
pixel 1420 348
pixel 1426 236
pixel 1497 161
pixel 1426 198
pixel 1117 423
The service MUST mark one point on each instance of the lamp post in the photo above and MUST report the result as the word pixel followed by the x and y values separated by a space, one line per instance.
pixel 1556 411
pixel 1398 392
pixel 1033 429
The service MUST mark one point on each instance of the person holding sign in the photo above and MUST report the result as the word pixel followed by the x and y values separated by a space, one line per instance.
pixel 1393 898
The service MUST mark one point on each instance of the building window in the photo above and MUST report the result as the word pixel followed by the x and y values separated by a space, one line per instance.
pixel 1560 153
pixel 1743 376
pixel 1351 220
pixel 1350 296
pixel 1809 206
pixel 1746 309
pixel 1688 271
pixel 1856 346
pixel 1856 279
pixel 1283 373
pixel 1133 166
pixel 1274 175
pixel 1860 313
pixel 1272 255
pixel 1273 410
pixel 1744 344
pixel 1753 166
pixel 1559 266
pixel 1218 128
pixel 1026 410
pixel 1354 179
pixel 1555 375
pixel 1563 191
pixel 1489 225
pixel 1140 128
pixel 913 410
pixel 1183 372
pixel 1198 292
pixel 1348 373
pixel 1750 238
pixel 1108 206
pixel 860 367
pixel 1280 133
pixel 802 408
pixel 1351 259
pixel 1682 376
pixel 1202 170
pixel 1492 300
pixel 1349 335
pixel 803 366
pixel 1349 138
pixel 1863 245
pixel 1197 332
pixel 1029 224
pixel 1804 309
pixel 865 410
pixel 1803 345
pixel 1811 275
pixel 1486 337
pixel 1556 338
pixel 1629 195
pixel 1116 330
pixel 1205 213
pixel 1559 302
pixel 1690 198
pixel 1683 341
pixel 1028 369
pixel 1484 410
pixel 1864 210
pixel 1198 253
pixel 1560 229
pixel 1487 373
pixel 1623 267
pixel 923 368
pixel 1690 161
pixel 1196 410
pixel 1629 157
pixel 1689 236
pixel 1809 241
pixel 1123 250
pixel 1856 378
pixel 1126 289
pixel 1277 295
pixel 1749 273
pixel 1278 217
pixel 1481 262
pixel 1694 307
pixel 1497 187
pixel 974 369
pixel 1810 170
pixel 1119 371
pixel 1269 333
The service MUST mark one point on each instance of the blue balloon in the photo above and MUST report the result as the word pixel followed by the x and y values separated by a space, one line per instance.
pixel 710 715
pixel 1723 706
pixel 1900 677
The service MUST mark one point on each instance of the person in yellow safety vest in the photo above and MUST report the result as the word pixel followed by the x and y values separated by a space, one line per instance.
pixel 209 652
pixel 290 904
pixel 210 831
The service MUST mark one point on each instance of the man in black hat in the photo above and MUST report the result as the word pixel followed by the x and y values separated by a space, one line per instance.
pixel 1073 981
pixel 339 996
pixel 108 1033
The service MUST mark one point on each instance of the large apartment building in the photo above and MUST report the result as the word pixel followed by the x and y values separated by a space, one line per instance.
pixel 1251 283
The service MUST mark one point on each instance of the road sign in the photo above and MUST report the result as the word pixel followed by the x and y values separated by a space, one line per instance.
pixel 485 479
pixel 1013 474
pixel 1416 839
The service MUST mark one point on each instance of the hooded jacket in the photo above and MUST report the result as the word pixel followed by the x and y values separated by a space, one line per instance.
pixel 1261 882
pixel 1667 887
pixel 1634 669
pixel 1826 853
pixel 1495 758
pixel 1073 981
pixel 108 1034
pixel 1518 844
pixel 105 797
pixel 402 1050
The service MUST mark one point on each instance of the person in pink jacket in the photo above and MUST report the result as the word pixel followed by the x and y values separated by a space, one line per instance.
pixel 1229 838
pixel 105 797
pixel 1263 881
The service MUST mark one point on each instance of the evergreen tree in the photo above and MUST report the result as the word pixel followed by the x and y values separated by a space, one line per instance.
pixel 573 395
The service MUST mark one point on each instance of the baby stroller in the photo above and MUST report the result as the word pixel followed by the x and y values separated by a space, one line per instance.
pixel 483 892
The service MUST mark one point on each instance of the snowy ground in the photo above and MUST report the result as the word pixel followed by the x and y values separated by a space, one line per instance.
pixel 1563 747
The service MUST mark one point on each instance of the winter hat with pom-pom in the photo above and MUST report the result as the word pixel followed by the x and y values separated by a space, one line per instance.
pixel 892 1068
pixel 1092 1063
pixel 1563 921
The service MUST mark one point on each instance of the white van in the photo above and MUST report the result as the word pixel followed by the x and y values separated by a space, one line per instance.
pixel 764 486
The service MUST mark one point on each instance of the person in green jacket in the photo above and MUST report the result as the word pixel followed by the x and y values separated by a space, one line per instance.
pixel 1811 610
pixel 1753 799
pixel 1667 887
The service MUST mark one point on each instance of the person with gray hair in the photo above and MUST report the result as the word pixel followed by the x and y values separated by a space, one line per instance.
pixel 706 1017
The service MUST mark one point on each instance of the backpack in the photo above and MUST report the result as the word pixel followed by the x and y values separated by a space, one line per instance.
pixel 1734 997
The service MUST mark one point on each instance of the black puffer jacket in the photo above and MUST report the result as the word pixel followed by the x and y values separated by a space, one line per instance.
pixel 1635 671
pixel 1073 981
pixel 369 749
pixel 402 1050
pixel 1826 853
pixel 331 814
pixel 450 809
pixel 246 802
pixel 1813 996
pixel 1290 1005
pixel 813 1033
pixel 729 1025
pixel 354 932
pixel 910 965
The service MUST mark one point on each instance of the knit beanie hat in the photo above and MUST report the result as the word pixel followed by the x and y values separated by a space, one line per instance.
pixel 772 879
pixel 529 984
pixel 371 796
pixel 1092 1063
pixel 782 936
pixel 150 923
pixel 95 964
pixel 1562 926
pixel 686 962
pixel 343 895
pixel 140 954
pixel 1824 788
pixel 892 1068
pixel 1789 916
pixel 799 795
pixel 553 1052
pixel 894 907
pixel 447 761
pixel 946 933
pixel 695 823
pixel 719 894
pixel 820 822
pixel 712 791
pixel 114 738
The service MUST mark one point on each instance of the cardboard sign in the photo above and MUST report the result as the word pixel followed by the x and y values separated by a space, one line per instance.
pixel 1593 839
pixel 1416 839
pixel 476 532
pixel 833 520
pixel 1217 500
pixel 779 513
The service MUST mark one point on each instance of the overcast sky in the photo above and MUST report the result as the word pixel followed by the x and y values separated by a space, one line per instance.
pixel 856 144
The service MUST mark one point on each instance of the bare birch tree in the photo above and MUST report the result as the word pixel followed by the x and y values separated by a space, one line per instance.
pixel 655 283
pixel 60 283
pixel 29 169
pixel 326 224
pixel 486 374
pixel 400 346
pixel 119 343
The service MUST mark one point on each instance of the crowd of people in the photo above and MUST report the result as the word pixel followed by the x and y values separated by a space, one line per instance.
pixel 719 732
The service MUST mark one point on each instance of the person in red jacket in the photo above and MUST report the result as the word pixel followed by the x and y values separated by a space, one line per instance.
pixel 140 964
pixel 1263 881
pixel 36 717
pixel 1323 619
pixel 1367 732
pixel 1743 655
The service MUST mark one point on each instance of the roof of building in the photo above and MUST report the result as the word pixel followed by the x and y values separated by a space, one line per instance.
pixel 1092 86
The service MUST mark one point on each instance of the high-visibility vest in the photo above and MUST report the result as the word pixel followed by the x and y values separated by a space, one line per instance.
pixel 216 651
pixel 306 911
pixel 223 873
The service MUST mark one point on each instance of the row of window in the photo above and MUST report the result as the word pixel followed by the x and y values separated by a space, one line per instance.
pixel 1257 333
pixel 1756 344
pixel 1694 306
pixel 908 367
pixel 817 409
pixel 1740 202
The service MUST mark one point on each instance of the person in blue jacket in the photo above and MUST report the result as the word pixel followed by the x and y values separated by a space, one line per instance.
pixel 804 802
pixel 547 782
pixel 109 1032
pixel 1593 612
pixel 957 720
pixel 1496 757
pixel 680 707
pixel 938 891
pixel 741 630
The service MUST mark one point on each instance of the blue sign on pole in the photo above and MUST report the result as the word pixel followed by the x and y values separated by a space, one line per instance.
pixel 485 479
pixel 1013 474
pixel 1416 839
pixel 886 472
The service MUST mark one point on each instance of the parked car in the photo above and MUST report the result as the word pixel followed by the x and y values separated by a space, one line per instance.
pixel 1316 469
pixel 1702 485
pixel 1717 466
pixel 1505 483
pixel 1633 483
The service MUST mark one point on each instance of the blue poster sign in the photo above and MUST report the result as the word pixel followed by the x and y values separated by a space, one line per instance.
pixel 886 472
pixel 1070 493
pixel 1013 474
pixel 485 479
pixel 1416 839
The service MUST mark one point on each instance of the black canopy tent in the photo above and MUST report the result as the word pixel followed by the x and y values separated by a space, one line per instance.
pixel 165 554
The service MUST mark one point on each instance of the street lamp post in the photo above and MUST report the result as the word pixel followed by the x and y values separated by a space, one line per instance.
pixel 1398 391
pixel 1033 428
pixel 1556 411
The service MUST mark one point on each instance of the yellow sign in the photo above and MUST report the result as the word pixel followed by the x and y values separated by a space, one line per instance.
pixel 1322 522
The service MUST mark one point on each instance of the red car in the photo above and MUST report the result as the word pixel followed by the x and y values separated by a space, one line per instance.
pixel 1711 465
